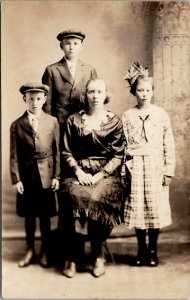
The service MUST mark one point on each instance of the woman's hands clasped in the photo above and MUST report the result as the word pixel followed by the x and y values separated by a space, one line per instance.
pixel 83 178
pixel 87 178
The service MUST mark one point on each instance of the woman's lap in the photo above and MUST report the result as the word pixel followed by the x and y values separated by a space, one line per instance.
pixel 100 202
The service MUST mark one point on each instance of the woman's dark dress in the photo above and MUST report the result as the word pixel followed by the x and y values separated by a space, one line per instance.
pixel 93 151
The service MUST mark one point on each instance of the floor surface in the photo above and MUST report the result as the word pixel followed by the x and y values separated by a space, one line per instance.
pixel 170 280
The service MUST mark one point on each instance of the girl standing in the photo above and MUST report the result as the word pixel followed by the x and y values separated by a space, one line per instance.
pixel 151 161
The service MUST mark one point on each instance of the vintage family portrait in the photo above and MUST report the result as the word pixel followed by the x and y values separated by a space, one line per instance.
pixel 95 137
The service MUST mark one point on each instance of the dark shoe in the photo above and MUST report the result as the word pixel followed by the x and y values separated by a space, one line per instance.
pixel 28 259
pixel 99 267
pixel 153 258
pixel 141 258
pixel 43 260
pixel 69 269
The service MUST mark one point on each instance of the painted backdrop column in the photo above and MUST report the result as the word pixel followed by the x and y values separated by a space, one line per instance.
pixel 171 52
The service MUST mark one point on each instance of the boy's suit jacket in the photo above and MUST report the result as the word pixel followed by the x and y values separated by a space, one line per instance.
pixel 30 151
pixel 64 96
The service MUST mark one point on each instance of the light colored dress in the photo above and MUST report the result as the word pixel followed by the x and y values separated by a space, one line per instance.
pixel 150 143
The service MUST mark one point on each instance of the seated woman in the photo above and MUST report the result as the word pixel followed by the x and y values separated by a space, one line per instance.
pixel 91 192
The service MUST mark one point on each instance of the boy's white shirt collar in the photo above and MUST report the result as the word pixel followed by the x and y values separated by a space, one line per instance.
pixel 71 63
pixel 33 120
pixel 32 116
pixel 71 66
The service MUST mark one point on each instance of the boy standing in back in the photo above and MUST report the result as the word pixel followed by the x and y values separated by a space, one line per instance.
pixel 68 77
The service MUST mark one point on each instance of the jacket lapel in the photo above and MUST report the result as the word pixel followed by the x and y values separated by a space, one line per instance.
pixel 24 122
pixel 78 72
pixel 64 70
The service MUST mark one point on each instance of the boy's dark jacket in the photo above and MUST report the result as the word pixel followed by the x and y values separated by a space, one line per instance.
pixel 28 148
pixel 65 93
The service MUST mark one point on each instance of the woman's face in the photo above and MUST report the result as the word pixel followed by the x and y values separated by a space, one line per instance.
pixel 144 92
pixel 96 93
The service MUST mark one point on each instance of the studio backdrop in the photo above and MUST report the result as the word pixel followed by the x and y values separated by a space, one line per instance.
pixel 156 34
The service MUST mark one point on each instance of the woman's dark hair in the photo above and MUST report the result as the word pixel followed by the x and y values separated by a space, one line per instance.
pixel 84 99
pixel 144 78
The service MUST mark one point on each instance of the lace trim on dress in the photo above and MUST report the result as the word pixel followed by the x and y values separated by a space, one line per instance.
pixel 97 125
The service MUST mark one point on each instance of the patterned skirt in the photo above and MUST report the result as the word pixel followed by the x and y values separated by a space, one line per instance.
pixel 100 202
pixel 148 204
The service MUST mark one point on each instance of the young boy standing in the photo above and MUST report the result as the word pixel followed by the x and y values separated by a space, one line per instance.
pixel 68 77
pixel 35 168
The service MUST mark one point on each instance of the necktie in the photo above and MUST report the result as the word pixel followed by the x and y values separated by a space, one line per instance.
pixel 34 123
pixel 143 128
pixel 72 69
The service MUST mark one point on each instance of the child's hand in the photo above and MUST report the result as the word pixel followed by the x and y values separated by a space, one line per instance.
pixel 166 180
pixel 19 187
pixel 55 184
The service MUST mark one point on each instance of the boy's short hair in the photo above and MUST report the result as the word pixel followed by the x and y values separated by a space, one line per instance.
pixel 34 87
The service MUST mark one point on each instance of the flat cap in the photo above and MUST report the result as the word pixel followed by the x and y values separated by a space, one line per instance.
pixel 71 33
pixel 34 87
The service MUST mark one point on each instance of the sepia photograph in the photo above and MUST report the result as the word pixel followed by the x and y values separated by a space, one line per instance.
pixel 95 139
